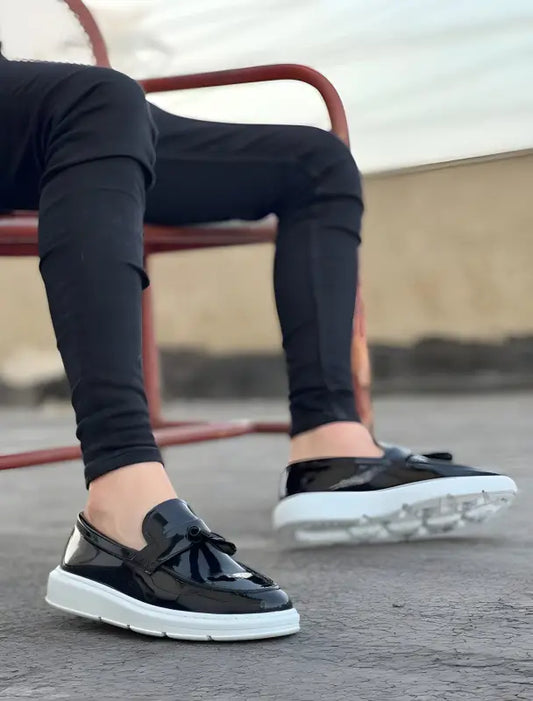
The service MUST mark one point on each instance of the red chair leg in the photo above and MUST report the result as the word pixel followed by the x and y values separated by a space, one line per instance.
pixel 360 369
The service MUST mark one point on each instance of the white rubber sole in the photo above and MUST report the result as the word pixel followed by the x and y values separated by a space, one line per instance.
pixel 411 511
pixel 96 601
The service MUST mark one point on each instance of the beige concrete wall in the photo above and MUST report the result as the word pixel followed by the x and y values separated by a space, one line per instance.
pixel 448 250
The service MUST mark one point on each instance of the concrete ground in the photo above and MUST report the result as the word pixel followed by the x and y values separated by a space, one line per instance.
pixel 446 619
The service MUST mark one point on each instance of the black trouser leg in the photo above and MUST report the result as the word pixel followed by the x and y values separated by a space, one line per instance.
pixel 79 143
pixel 214 172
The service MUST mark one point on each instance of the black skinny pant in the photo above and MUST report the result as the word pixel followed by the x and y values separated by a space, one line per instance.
pixel 82 145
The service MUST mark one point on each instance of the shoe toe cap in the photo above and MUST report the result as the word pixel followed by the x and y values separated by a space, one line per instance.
pixel 271 600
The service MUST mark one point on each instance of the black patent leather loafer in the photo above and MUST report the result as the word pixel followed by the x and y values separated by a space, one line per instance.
pixel 397 497
pixel 184 584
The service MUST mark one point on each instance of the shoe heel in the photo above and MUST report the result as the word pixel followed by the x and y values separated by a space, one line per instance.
pixel 65 593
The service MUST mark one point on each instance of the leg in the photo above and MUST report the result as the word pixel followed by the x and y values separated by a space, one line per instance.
pixel 214 172
pixel 339 485
pixel 84 147
pixel 88 153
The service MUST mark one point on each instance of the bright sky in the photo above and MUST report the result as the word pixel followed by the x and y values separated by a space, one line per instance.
pixel 422 80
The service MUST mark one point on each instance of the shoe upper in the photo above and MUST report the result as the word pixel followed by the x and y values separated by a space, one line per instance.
pixel 184 565
pixel 397 467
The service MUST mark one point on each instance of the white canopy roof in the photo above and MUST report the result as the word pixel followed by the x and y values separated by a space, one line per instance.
pixel 422 80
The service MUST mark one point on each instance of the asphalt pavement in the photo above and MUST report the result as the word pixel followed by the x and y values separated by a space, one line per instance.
pixel 438 620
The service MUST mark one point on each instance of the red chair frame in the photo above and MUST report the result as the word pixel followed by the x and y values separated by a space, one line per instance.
pixel 18 237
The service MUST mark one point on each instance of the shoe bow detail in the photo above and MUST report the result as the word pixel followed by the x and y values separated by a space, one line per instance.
pixel 198 535
pixel 398 452
pixel 169 536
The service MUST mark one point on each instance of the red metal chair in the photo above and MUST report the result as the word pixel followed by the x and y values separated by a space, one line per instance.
pixel 18 237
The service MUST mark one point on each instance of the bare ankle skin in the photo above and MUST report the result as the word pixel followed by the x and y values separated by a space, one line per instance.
pixel 119 500
pixel 339 439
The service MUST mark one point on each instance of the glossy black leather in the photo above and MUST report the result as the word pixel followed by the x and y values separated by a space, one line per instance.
pixel 184 566
pixel 396 468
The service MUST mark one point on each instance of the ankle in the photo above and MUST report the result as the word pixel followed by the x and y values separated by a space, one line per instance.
pixel 338 439
pixel 119 500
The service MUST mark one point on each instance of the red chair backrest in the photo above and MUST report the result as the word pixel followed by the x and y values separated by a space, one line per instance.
pixel 91 29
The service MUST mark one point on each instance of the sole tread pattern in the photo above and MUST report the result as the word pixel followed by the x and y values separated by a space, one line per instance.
pixel 411 522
